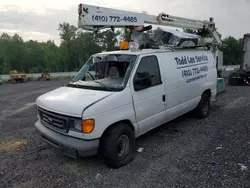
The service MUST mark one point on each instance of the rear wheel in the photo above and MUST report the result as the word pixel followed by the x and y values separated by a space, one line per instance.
pixel 204 107
pixel 118 146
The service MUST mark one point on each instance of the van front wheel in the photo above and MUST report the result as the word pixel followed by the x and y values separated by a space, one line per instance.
pixel 119 146
pixel 204 107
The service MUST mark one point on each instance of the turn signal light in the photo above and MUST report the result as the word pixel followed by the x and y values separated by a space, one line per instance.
pixel 88 125
pixel 124 45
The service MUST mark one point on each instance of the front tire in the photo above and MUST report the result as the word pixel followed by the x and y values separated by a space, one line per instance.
pixel 119 146
pixel 204 107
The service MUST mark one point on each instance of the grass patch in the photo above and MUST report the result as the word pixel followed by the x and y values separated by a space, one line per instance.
pixel 61 77
pixel 51 78
pixel 32 79
pixel 12 145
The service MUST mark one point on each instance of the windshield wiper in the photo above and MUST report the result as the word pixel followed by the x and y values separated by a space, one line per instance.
pixel 74 83
pixel 109 89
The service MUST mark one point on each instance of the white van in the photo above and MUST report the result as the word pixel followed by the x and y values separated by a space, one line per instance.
pixel 120 95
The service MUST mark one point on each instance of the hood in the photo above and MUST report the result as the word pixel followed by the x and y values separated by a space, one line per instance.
pixel 70 101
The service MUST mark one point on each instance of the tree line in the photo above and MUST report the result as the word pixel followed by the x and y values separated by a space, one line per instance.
pixel 75 48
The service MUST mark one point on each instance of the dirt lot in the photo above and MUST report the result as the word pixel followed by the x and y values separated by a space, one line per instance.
pixel 184 153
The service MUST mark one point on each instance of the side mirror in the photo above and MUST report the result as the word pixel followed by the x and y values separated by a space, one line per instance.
pixel 142 81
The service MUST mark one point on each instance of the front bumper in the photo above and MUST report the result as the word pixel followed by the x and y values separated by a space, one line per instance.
pixel 71 146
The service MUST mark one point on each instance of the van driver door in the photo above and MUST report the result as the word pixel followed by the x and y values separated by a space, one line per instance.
pixel 148 94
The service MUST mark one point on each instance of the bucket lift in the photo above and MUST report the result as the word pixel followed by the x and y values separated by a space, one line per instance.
pixel 94 18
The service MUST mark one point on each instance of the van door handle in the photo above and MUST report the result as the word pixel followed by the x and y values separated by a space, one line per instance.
pixel 163 98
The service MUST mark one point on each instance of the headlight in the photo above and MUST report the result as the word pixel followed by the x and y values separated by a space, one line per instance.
pixel 78 124
pixel 86 125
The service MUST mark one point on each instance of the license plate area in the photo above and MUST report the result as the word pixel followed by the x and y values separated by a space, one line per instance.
pixel 71 152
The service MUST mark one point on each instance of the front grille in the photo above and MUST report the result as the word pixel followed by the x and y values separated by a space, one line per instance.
pixel 53 120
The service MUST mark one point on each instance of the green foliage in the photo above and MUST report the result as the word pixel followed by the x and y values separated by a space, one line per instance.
pixel 34 57
pixel 125 34
pixel 233 52
pixel 109 39
pixel 75 49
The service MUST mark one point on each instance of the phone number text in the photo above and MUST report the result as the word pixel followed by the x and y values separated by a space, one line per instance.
pixel 117 19
pixel 194 71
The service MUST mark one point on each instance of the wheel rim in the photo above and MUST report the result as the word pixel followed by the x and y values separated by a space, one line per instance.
pixel 204 106
pixel 123 145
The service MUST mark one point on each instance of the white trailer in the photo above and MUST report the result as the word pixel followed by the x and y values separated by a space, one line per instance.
pixel 246 52
pixel 242 76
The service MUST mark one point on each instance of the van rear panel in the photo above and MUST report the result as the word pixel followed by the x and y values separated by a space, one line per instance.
pixel 187 74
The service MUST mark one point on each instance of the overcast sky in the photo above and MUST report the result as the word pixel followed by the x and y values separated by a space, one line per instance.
pixel 39 20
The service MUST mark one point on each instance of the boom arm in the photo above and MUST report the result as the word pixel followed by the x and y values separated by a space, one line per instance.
pixel 95 18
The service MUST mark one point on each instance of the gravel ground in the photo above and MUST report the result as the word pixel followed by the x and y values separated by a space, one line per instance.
pixel 187 152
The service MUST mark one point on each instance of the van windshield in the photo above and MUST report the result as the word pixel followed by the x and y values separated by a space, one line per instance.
pixel 109 72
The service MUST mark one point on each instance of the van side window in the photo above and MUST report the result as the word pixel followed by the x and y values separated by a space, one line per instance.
pixel 150 66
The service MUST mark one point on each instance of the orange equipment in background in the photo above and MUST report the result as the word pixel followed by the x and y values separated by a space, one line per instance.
pixel 17 77
pixel 44 76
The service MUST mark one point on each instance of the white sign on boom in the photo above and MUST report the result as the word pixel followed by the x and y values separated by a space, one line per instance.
pixel 92 17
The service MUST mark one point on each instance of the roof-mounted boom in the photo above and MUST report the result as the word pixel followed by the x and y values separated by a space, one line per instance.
pixel 95 18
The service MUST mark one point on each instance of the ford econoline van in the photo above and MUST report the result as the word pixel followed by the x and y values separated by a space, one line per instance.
pixel 118 96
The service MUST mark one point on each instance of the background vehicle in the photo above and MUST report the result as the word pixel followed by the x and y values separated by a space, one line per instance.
pixel 16 77
pixel 242 76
